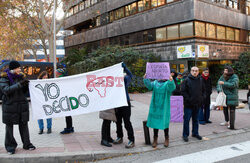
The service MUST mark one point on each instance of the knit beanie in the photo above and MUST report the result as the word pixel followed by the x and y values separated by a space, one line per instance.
pixel 13 65
pixel 60 71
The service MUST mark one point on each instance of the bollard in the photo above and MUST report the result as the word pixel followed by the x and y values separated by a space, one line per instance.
pixel 146 133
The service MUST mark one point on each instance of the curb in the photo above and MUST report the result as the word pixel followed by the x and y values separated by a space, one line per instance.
pixel 77 157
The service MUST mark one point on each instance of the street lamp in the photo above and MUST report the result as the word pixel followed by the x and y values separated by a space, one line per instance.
pixel 54 19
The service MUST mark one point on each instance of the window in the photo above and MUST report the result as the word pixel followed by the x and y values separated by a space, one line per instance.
pixel 133 8
pixel 81 6
pixel 169 1
pixel 98 21
pixel 237 35
pixel 235 4
pixel 130 9
pixel 71 11
pixel 111 16
pixel 181 68
pixel 200 29
pixel 230 3
pixel 248 8
pixel 94 2
pixel 224 2
pixel 153 3
pixel 87 3
pixel 210 30
pixel 76 9
pixel 161 2
pixel 161 34
pixel 120 12
pixel 174 66
pixel 249 37
pixel 186 29
pixel 230 33
pixel 172 32
pixel 221 32
pixel 140 6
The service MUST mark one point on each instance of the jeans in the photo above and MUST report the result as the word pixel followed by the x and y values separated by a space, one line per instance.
pixel 49 123
pixel 124 113
pixel 204 113
pixel 188 113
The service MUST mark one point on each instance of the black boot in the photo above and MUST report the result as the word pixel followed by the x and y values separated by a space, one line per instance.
pixel 232 119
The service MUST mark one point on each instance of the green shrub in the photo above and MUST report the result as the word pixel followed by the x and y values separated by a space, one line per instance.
pixel 79 61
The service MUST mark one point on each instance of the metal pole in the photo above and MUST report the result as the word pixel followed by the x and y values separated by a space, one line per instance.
pixel 54 20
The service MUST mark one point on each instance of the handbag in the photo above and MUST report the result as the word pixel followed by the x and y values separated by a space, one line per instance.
pixel 221 99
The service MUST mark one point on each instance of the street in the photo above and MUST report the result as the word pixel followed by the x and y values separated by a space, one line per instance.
pixel 177 154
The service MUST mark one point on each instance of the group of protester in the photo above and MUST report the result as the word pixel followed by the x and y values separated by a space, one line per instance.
pixel 195 89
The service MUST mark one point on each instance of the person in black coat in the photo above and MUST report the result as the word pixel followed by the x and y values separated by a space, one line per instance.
pixel 192 90
pixel 15 107
pixel 204 114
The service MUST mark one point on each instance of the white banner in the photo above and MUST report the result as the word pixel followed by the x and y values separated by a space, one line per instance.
pixel 79 94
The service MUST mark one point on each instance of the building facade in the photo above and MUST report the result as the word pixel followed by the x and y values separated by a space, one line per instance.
pixel 182 32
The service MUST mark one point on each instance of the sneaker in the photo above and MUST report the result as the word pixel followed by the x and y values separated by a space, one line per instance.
pixel 30 147
pixel 224 124
pixel 11 152
pixel 40 131
pixel 49 131
pixel 208 121
pixel 185 139
pixel 118 140
pixel 130 144
pixel 197 136
pixel 105 143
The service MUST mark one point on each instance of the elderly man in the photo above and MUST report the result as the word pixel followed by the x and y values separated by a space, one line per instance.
pixel 192 89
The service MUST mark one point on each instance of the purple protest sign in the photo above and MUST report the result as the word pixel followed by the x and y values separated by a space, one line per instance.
pixel 158 70
pixel 176 108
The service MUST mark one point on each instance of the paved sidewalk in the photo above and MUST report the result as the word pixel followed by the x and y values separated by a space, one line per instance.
pixel 84 144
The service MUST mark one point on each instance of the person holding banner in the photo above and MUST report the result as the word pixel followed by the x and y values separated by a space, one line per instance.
pixel 44 75
pixel 159 111
pixel 125 113
pixel 192 91
pixel 60 72
pixel 229 82
pixel 15 106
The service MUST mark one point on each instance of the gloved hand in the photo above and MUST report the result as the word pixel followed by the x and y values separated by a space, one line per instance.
pixel 24 82
pixel 123 65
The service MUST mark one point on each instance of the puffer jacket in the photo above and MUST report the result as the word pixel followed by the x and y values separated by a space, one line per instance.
pixel 15 107
pixel 230 88
pixel 108 115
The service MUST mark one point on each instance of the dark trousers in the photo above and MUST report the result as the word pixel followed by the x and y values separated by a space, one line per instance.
pixel 10 142
pixel 188 113
pixel 232 115
pixel 124 113
pixel 106 130
pixel 204 113
pixel 68 122
pixel 157 130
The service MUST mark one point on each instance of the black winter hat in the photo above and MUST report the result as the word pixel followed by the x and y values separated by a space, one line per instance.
pixel 13 65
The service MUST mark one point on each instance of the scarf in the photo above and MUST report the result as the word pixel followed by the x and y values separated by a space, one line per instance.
pixel 12 76
pixel 205 77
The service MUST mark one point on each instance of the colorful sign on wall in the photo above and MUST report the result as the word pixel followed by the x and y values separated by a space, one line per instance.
pixel 203 51
pixel 185 52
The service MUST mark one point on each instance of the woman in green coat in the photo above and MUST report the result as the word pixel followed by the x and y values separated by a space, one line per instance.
pixel 229 82
pixel 159 111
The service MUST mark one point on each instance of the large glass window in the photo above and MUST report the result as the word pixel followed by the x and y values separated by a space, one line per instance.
pixel 221 32
pixel 172 32
pixel 237 35
pixel 82 6
pixel 153 3
pixel 230 33
pixel 119 13
pixel 186 29
pixel 161 2
pixel 161 34
pixel 140 6
pixel 111 16
pixel 87 3
pixel 200 29
pixel 133 8
pixel 210 30
pixel 130 9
